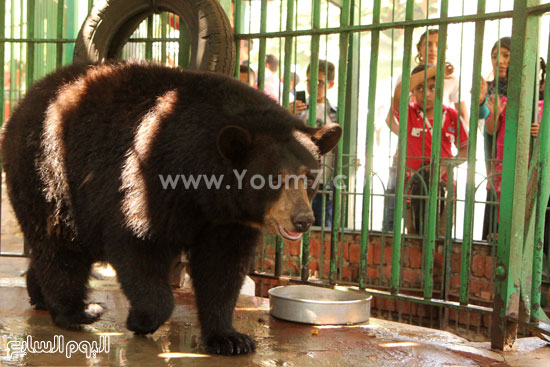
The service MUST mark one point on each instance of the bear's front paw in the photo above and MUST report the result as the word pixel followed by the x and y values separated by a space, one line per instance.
pixel 231 343
pixel 142 323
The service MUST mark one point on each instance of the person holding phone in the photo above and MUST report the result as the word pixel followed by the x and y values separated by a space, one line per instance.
pixel 325 113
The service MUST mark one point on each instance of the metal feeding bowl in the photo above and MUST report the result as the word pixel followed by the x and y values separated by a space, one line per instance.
pixel 320 306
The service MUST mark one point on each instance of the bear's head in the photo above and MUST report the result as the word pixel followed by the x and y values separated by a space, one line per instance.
pixel 279 173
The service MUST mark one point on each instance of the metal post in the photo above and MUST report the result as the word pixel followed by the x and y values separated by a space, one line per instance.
pixel 514 175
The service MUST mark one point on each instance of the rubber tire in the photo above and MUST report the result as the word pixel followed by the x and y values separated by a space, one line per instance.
pixel 110 24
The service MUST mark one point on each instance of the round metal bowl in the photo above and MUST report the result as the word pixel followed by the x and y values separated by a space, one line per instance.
pixel 320 306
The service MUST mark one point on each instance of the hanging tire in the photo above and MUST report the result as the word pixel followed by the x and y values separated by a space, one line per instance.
pixel 110 24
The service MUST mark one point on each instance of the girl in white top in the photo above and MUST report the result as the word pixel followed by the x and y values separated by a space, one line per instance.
pixel 450 84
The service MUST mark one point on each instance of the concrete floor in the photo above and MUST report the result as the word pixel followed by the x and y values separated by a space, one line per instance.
pixel 279 343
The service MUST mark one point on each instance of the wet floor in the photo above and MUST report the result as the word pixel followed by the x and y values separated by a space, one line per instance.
pixel 279 343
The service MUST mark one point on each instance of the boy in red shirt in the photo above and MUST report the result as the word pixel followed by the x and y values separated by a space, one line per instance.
pixel 419 132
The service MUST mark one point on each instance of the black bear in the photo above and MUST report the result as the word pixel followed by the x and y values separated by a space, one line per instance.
pixel 133 163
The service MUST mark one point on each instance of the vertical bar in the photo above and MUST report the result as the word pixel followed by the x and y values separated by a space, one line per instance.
pixel 31 5
pixel 402 151
pixel 288 52
pixel 373 78
pixel 261 61
pixel 163 26
pixel 433 188
pixel 2 51
pixel 542 202
pixel 238 30
pixel 514 174
pixel 312 115
pixel 472 144
pixel 149 42
pixel 60 23
pixel 342 86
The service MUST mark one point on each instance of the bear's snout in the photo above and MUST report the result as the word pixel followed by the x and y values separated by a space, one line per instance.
pixel 303 221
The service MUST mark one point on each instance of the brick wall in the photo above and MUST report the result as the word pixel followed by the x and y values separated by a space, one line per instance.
pixel 379 275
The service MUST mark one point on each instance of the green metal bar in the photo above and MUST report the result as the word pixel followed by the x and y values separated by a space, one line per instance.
pixel 288 52
pixel 261 61
pixel 163 25
pixel 402 149
pixel 30 47
pixel 90 4
pixel 238 26
pixel 543 191
pixel 387 26
pixel 514 175
pixel 373 78
pixel 465 264
pixel 148 43
pixel 312 117
pixel 60 24
pixel 2 53
pixel 342 87
pixel 433 188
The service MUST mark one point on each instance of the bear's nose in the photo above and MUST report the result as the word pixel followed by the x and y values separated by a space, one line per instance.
pixel 303 221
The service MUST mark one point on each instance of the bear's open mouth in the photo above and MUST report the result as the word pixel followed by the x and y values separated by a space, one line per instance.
pixel 289 235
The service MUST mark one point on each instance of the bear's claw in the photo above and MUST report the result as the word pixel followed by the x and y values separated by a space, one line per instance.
pixel 232 343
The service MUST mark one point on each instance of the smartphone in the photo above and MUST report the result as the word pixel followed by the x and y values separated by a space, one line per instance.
pixel 301 95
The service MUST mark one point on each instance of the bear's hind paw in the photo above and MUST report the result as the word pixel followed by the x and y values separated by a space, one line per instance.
pixel 232 343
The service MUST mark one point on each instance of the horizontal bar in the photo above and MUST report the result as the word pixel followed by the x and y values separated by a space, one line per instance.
pixel 13 255
pixel 382 26
pixel 538 9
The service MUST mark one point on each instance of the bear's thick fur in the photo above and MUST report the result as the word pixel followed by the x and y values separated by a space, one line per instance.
pixel 87 154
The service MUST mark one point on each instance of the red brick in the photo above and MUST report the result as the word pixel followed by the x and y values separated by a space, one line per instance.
pixel 314 247
pixel 346 251
pixel 388 250
pixel 487 320
pixel 370 260
pixel 269 264
pixel 293 267
pixel 478 286
pixel 411 276
pixel 456 261
pixel 438 260
pixel 415 257
pixel 488 267
pixel 295 247
pixel 346 273
pixel 455 282
pixel 478 265
pixel 386 272
pixel 389 304
pixel 377 251
pixel 313 265
pixel 354 253
pixel 372 274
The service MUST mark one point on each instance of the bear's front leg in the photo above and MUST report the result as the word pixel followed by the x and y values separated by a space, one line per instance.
pixel 143 271
pixel 219 261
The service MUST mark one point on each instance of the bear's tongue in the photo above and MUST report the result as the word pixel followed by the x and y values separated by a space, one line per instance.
pixel 289 235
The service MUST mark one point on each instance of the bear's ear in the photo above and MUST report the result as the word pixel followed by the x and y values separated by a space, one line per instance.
pixel 234 143
pixel 326 137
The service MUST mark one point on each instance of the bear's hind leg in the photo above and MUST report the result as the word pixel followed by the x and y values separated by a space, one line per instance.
pixel 62 276
pixel 34 290
pixel 219 262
